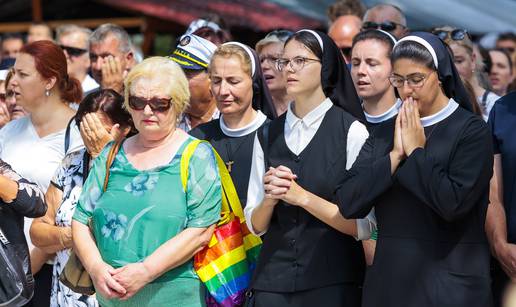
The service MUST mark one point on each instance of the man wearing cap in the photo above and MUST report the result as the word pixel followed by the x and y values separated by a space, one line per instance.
pixel 193 54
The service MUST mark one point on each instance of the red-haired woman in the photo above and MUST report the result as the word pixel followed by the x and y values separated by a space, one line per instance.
pixel 36 144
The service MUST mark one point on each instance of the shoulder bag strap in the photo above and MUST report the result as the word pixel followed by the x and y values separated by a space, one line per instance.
pixel 109 161
pixel 67 135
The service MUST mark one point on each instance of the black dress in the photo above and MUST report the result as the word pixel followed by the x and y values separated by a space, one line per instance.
pixel 235 151
pixel 432 249
pixel 303 261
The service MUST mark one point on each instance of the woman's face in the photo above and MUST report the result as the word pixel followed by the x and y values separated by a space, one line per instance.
pixel 371 68
pixel 500 74
pixel 304 78
pixel 28 85
pixel 15 110
pixel 464 61
pixel 276 80
pixel 152 125
pixel 425 83
pixel 231 85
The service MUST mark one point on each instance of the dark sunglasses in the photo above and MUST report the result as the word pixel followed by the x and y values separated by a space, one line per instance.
pixel 456 35
pixel 8 94
pixel 386 25
pixel 156 104
pixel 72 51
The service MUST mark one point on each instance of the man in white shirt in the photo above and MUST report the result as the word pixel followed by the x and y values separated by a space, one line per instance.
pixel 74 42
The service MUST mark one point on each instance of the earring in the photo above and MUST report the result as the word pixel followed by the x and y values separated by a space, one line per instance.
pixel 47 93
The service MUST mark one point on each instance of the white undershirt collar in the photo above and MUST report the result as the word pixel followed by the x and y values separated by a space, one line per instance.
pixel 239 132
pixel 393 111
pixel 309 118
pixel 441 115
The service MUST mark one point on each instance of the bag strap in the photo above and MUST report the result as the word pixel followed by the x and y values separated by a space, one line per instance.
pixel 67 135
pixel 230 200
pixel 109 161
pixel 484 97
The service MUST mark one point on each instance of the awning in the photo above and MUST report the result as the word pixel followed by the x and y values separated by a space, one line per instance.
pixel 261 16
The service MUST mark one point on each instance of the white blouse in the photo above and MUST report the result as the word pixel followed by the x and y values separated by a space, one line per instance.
pixel 298 133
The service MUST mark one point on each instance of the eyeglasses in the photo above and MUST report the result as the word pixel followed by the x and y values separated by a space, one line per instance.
pixel 296 64
pixel 72 51
pixel 156 104
pixel 270 59
pixel 456 35
pixel 386 25
pixel 281 34
pixel 416 80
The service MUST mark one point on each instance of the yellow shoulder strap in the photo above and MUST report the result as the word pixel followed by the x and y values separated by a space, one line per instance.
pixel 230 200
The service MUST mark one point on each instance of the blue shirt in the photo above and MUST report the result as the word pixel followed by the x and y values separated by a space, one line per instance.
pixel 502 121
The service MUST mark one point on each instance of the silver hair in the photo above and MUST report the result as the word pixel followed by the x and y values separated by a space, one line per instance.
pixel 66 29
pixel 403 19
pixel 107 29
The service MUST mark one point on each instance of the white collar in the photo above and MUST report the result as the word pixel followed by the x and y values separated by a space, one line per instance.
pixel 311 117
pixel 89 84
pixel 239 132
pixel 441 115
pixel 393 111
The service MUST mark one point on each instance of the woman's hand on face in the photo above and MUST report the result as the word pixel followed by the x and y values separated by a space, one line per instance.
pixel 104 283
pixel 133 277
pixel 95 136
pixel 412 132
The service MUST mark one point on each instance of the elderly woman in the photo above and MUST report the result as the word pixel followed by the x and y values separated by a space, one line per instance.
pixel 101 110
pixel 145 228
pixel 269 50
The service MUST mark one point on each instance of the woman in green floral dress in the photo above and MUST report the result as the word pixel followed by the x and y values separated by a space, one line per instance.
pixel 145 227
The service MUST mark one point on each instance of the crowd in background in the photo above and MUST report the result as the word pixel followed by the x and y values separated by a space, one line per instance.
pixel 375 162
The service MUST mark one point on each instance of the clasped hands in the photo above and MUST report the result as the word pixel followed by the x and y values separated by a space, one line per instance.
pixel 409 133
pixel 121 283
pixel 280 184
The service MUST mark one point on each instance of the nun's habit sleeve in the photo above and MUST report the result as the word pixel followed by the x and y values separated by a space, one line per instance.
pixel 452 192
pixel 363 183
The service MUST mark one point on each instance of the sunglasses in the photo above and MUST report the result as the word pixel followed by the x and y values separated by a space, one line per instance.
pixel 156 104
pixel 456 35
pixel 6 95
pixel 72 51
pixel 387 26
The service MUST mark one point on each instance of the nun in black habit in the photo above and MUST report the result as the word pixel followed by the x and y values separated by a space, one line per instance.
pixel 310 254
pixel 429 176
pixel 245 104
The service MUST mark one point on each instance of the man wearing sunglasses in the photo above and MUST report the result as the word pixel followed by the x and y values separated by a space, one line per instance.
pixel 193 54
pixel 74 42
pixel 342 31
pixel 387 17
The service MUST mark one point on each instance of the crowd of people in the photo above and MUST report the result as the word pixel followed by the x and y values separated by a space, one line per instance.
pixel 376 163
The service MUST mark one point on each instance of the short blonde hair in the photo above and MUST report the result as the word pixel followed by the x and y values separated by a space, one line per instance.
pixel 166 70
pixel 229 50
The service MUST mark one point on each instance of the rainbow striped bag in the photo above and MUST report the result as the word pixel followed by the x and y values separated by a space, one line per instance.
pixel 226 265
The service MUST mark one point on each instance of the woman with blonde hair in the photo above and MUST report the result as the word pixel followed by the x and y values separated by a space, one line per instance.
pixel 145 228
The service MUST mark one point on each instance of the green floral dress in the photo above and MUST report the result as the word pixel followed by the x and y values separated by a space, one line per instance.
pixel 141 210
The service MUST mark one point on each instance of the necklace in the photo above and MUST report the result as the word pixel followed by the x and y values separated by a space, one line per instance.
pixel 230 153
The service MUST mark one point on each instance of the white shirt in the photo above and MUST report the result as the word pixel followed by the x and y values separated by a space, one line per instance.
pixel 298 133
pixel 249 128
pixel 34 158
pixel 393 111
pixel 88 85
pixel 488 105
pixel 185 123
